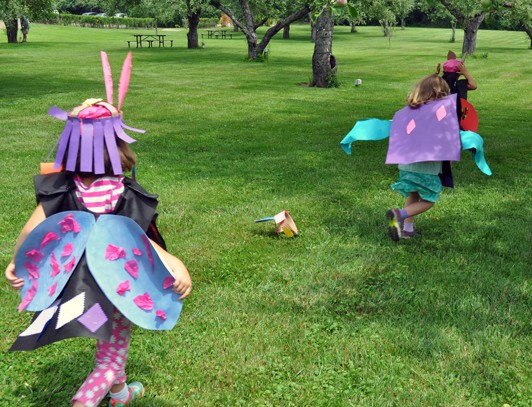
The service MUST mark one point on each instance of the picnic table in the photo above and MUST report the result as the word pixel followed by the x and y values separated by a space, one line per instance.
pixel 217 34
pixel 150 39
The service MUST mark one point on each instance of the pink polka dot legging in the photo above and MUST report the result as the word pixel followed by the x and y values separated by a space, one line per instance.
pixel 111 358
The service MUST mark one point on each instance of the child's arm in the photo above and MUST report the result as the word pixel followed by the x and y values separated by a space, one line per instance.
pixel 37 217
pixel 183 282
pixel 471 84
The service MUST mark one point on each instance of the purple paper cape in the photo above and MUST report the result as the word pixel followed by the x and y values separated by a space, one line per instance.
pixel 430 132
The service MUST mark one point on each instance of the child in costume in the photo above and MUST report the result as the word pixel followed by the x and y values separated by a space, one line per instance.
pixel 452 70
pixel 424 138
pixel 90 259
pixel 419 182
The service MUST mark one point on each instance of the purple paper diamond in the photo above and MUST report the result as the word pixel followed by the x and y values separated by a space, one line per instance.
pixel 94 318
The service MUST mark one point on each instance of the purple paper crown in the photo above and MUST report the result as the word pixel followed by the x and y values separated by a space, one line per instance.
pixel 94 126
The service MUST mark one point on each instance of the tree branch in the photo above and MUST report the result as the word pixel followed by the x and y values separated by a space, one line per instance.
pixel 229 12
pixel 283 23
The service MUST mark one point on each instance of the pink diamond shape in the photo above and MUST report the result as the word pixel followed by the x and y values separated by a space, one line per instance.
pixel 411 126
pixel 441 113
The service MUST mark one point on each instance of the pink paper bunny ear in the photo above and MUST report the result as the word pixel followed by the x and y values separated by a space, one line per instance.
pixel 108 78
pixel 124 80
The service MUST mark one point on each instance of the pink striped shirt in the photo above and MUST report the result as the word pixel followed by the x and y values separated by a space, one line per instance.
pixel 102 195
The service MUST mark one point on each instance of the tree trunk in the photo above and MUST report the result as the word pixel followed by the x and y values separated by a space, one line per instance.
pixel 11 30
pixel 453 31
pixel 353 27
pixel 322 58
pixel 386 29
pixel 286 32
pixel 470 33
pixel 403 23
pixel 253 48
pixel 528 30
pixel 312 28
pixel 192 35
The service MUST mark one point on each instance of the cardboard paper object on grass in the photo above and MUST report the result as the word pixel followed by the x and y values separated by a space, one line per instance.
pixel 283 223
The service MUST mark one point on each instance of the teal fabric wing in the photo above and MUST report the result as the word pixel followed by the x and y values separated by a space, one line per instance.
pixel 473 141
pixel 367 130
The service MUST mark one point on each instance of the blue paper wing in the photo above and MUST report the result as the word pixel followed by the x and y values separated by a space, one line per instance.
pixel 48 256
pixel 130 273
pixel 473 141
pixel 367 130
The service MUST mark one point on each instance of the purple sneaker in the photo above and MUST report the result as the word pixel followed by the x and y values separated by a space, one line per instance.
pixel 407 235
pixel 394 224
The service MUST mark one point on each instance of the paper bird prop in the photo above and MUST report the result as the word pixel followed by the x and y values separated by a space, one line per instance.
pixel 283 224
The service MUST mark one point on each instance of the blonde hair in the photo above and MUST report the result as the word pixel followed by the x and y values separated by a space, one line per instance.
pixel 429 88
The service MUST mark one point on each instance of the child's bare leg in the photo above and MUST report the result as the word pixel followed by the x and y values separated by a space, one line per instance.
pixel 412 198
pixel 418 207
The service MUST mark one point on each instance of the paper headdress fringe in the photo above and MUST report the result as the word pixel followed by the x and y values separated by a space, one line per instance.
pixel 94 126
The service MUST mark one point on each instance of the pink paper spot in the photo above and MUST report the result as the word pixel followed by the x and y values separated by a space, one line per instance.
pixel 56 269
pixel 67 250
pixel 147 245
pixel 144 301
pixel 35 255
pixel 70 265
pixel 137 252
pixel 411 126
pixel 441 113
pixel 114 253
pixel 123 287
pixel 132 267
pixel 30 294
pixel 168 282
pixel 161 314
pixel 33 270
pixel 69 224
pixel 51 290
pixel 49 237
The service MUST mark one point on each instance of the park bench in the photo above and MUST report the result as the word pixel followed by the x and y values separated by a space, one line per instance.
pixel 217 34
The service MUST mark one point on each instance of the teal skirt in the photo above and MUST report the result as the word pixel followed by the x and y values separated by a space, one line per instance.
pixel 428 186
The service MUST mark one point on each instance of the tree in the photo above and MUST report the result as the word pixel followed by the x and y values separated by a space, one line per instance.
pixel 436 12
pixel 469 14
pixel 517 14
pixel 402 9
pixel 11 10
pixel 255 14
pixel 382 11
pixel 323 61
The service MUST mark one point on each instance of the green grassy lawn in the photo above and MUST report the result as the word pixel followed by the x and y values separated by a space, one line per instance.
pixel 338 316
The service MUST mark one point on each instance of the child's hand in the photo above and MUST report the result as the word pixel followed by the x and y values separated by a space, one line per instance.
pixel 14 281
pixel 182 283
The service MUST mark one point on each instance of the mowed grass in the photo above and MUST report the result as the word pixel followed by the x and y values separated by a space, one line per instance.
pixel 339 316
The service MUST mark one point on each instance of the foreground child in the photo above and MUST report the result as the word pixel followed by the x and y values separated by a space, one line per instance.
pixel 92 181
